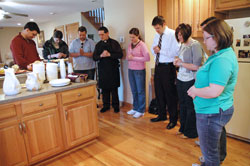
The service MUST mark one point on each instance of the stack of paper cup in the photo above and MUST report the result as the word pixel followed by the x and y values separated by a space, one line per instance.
pixel 39 68
pixel 62 69
pixel 51 71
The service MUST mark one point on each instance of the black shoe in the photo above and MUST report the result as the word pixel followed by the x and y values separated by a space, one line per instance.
pixel 158 118
pixel 104 109
pixel 116 110
pixel 171 125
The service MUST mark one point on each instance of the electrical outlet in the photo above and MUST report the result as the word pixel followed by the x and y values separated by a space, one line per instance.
pixel 121 39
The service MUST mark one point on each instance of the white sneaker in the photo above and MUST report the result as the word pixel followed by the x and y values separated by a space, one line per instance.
pixel 196 164
pixel 131 112
pixel 197 143
pixel 138 115
pixel 202 160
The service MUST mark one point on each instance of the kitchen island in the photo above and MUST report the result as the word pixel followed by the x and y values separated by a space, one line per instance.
pixel 38 125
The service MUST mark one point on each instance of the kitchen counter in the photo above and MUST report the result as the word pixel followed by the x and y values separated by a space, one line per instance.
pixel 37 126
pixel 46 89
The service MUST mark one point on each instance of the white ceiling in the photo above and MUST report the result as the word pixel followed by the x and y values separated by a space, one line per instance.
pixel 40 10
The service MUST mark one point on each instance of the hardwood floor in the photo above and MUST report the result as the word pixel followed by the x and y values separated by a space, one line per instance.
pixel 125 141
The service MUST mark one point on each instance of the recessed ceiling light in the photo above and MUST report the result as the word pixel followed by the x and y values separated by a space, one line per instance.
pixel 52 13
pixel 31 19
pixel 19 24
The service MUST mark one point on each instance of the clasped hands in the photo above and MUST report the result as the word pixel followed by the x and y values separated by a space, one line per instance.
pixel 105 53
pixel 156 49
pixel 61 55
pixel 177 61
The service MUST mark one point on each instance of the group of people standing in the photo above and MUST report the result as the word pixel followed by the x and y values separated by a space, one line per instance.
pixel 203 89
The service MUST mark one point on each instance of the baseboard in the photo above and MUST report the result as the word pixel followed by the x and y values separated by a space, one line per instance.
pixel 238 137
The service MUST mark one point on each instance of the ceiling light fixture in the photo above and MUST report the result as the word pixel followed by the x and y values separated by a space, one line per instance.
pixel 19 24
pixel 1 14
pixel 52 13
pixel 31 19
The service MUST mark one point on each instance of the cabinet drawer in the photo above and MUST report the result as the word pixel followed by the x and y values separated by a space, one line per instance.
pixel 78 94
pixel 38 103
pixel 7 111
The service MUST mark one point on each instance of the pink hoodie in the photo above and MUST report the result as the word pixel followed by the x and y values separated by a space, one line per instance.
pixel 140 55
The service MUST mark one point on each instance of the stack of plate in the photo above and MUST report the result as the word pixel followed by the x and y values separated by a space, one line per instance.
pixel 59 82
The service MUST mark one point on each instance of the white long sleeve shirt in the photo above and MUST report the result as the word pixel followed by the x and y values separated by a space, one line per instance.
pixel 169 46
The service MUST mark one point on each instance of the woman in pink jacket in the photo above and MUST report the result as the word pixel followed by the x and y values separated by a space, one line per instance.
pixel 137 55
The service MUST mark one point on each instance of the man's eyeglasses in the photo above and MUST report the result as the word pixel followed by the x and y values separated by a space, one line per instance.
pixel 206 38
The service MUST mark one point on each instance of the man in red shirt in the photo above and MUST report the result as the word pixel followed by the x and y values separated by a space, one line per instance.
pixel 23 48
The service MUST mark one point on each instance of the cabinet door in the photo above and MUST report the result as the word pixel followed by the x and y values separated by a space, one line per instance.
pixel 202 10
pixel 169 10
pixel 186 12
pixel 80 120
pixel 12 147
pixel 42 135
pixel 221 5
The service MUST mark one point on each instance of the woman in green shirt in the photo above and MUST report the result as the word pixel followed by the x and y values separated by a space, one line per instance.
pixel 213 89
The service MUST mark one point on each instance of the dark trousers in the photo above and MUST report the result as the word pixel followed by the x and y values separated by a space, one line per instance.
pixel 187 112
pixel 223 144
pixel 165 90
pixel 90 72
pixel 106 98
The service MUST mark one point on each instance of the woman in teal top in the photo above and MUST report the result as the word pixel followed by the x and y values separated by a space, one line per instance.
pixel 213 89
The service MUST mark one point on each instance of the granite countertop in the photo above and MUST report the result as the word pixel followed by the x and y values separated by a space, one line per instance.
pixel 46 89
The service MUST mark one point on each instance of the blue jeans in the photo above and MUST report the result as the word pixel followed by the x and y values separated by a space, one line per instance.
pixel 209 127
pixel 137 85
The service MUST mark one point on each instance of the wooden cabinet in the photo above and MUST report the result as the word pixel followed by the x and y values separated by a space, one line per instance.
pixel 80 122
pixel 35 129
pixel 201 11
pixel 186 12
pixel 222 5
pixel 191 12
pixel 79 115
pixel 12 147
pixel 38 104
pixel 169 10
pixel 42 135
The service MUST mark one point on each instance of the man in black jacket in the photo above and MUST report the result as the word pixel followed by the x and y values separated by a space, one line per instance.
pixel 107 52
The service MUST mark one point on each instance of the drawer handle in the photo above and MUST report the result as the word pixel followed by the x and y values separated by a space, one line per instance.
pixel 24 127
pixel 41 104
pixel 79 94
pixel 66 115
pixel 20 128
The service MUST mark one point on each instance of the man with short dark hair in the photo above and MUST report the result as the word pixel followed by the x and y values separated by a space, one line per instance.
pixel 165 48
pixel 23 48
pixel 81 50
pixel 108 52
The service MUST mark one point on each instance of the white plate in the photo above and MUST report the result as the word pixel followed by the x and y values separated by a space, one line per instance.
pixel 59 82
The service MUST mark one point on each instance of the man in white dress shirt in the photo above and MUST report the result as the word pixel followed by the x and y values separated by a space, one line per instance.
pixel 165 48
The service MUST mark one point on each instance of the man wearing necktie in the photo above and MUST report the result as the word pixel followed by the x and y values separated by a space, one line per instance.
pixel 165 48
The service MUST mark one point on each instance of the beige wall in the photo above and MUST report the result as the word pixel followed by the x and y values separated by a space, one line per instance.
pixel 48 27
pixel 71 18
pixel 128 14
pixel 6 35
